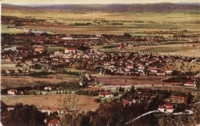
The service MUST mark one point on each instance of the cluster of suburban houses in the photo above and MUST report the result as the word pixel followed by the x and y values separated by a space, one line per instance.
pixel 77 48
pixel 123 63
pixel 171 102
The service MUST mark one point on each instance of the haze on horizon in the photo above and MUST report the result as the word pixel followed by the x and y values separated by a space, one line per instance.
pixel 50 2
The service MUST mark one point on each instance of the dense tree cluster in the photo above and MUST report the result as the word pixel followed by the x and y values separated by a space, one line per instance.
pixel 180 120
pixel 111 114
pixel 23 115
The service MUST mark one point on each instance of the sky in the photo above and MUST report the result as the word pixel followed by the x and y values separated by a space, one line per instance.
pixel 24 2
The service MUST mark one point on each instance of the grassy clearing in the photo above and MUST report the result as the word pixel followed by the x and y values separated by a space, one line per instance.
pixel 75 70
pixel 53 49
pixel 4 61
pixel 85 103
pixel 170 49
pixel 17 81
pixel 6 29
pixel 188 53
pixel 127 80
pixel 7 64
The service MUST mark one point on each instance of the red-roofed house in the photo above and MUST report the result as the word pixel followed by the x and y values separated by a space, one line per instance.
pixel 39 49
pixel 126 102
pixel 54 122
pixel 12 92
pixel 190 84
pixel 168 108
pixel 106 94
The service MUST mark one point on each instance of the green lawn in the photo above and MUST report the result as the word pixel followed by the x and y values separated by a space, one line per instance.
pixel 6 29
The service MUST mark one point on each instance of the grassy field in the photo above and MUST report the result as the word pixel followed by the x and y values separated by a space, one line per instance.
pixel 170 49
pixel 188 52
pixel 17 81
pixel 132 21
pixel 6 29
pixel 7 64
pixel 85 103
pixel 133 80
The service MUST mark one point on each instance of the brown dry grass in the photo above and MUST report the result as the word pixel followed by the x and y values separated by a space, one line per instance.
pixel 83 29
pixel 17 81
pixel 85 103
pixel 134 80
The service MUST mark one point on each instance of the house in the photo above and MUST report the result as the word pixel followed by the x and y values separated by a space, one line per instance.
pixel 67 38
pixel 7 71
pixel 49 88
pixel 39 49
pixel 141 67
pixel 106 63
pixel 169 72
pixel 14 48
pixel 160 73
pixel 10 107
pixel 154 70
pixel 54 122
pixel 12 92
pixel 106 94
pixel 168 108
pixel 126 102
pixel 70 50
pixel 130 66
pixel 190 84
pixel 50 110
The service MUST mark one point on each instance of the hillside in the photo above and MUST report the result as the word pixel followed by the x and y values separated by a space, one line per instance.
pixel 161 7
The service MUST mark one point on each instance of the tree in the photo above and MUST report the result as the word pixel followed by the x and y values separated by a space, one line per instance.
pixel 23 115
pixel 197 113
pixel 70 103
pixel 198 82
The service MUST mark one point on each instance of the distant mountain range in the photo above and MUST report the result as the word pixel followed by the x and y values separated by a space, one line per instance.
pixel 159 7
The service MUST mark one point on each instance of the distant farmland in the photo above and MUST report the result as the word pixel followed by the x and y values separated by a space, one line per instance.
pixel 92 21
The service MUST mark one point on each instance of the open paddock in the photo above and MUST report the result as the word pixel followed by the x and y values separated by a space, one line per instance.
pixel 84 103
pixel 18 81
pixel 132 80
pixel 169 49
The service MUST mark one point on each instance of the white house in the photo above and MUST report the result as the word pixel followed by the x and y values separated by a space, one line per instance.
pixel 49 110
pixel 161 73
pixel 169 72
pixel 70 50
pixel 168 108
pixel 12 92
pixel 130 66
pixel 105 94
pixel 190 84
